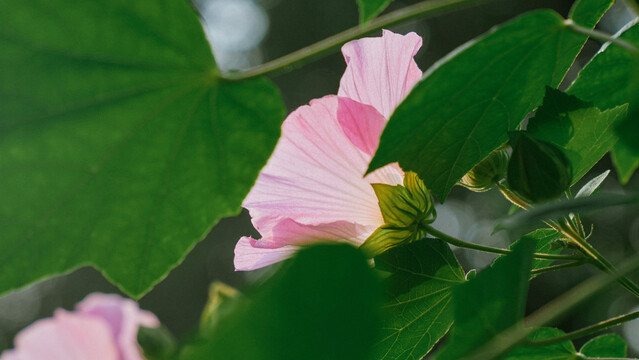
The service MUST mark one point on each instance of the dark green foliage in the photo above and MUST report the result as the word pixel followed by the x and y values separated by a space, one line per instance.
pixel 323 304
pixel 538 170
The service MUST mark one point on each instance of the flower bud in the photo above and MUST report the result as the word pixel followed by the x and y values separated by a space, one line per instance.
pixel 537 170
pixel 487 173
pixel 406 211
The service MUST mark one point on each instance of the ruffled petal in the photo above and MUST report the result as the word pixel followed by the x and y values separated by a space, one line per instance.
pixel 288 236
pixel 66 336
pixel 315 174
pixel 250 257
pixel 381 71
pixel 123 316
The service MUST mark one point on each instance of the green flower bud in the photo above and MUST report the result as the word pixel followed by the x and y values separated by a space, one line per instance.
pixel 537 170
pixel 405 209
pixel 487 173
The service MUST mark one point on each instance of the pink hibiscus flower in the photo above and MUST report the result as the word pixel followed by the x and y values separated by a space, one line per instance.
pixel 313 187
pixel 103 327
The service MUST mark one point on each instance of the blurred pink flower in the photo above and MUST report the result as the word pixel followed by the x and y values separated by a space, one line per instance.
pixel 103 327
pixel 313 187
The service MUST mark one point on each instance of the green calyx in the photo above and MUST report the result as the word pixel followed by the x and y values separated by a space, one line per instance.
pixel 406 210
pixel 487 173
pixel 538 170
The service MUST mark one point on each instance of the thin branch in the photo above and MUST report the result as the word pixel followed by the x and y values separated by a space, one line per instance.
pixel 463 244
pixel 558 267
pixel 323 47
pixel 600 326
pixel 600 35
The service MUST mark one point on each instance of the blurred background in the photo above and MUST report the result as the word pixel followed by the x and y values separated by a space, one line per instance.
pixel 245 33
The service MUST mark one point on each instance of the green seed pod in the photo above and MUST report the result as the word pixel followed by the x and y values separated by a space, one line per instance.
pixel 537 170
pixel 487 173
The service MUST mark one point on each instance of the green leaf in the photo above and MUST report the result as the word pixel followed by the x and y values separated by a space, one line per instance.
pixel 591 186
pixel 581 130
pixel 324 304
pixel 463 108
pixel 544 244
pixel 537 170
pixel 605 346
pixel 490 303
pixel 609 80
pixel 564 350
pixel 418 307
pixel 626 162
pixel 120 146
pixel 369 9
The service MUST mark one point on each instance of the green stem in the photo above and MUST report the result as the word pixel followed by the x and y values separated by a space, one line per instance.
pixel 600 326
pixel 598 260
pixel 323 47
pixel 463 244
pixel 601 36
pixel 558 267
pixel 551 312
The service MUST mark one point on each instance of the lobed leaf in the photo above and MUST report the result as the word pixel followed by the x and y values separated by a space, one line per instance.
pixel 120 146
pixel 418 309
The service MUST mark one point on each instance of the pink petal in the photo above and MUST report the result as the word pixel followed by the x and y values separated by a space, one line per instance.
pixel 288 236
pixel 362 124
pixel 290 232
pixel 315 174
pixel 380 71
pixel 123 316
pixel 249 257
pixel 66 336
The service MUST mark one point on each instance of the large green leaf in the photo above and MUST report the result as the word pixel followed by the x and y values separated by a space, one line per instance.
pixel 490 303
pixel 605 346
pixel 323 305
pixel 609 80
pixel 463 108
pixel 580 129
pixel 120 147
pixel 418 306
pixel 368 9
